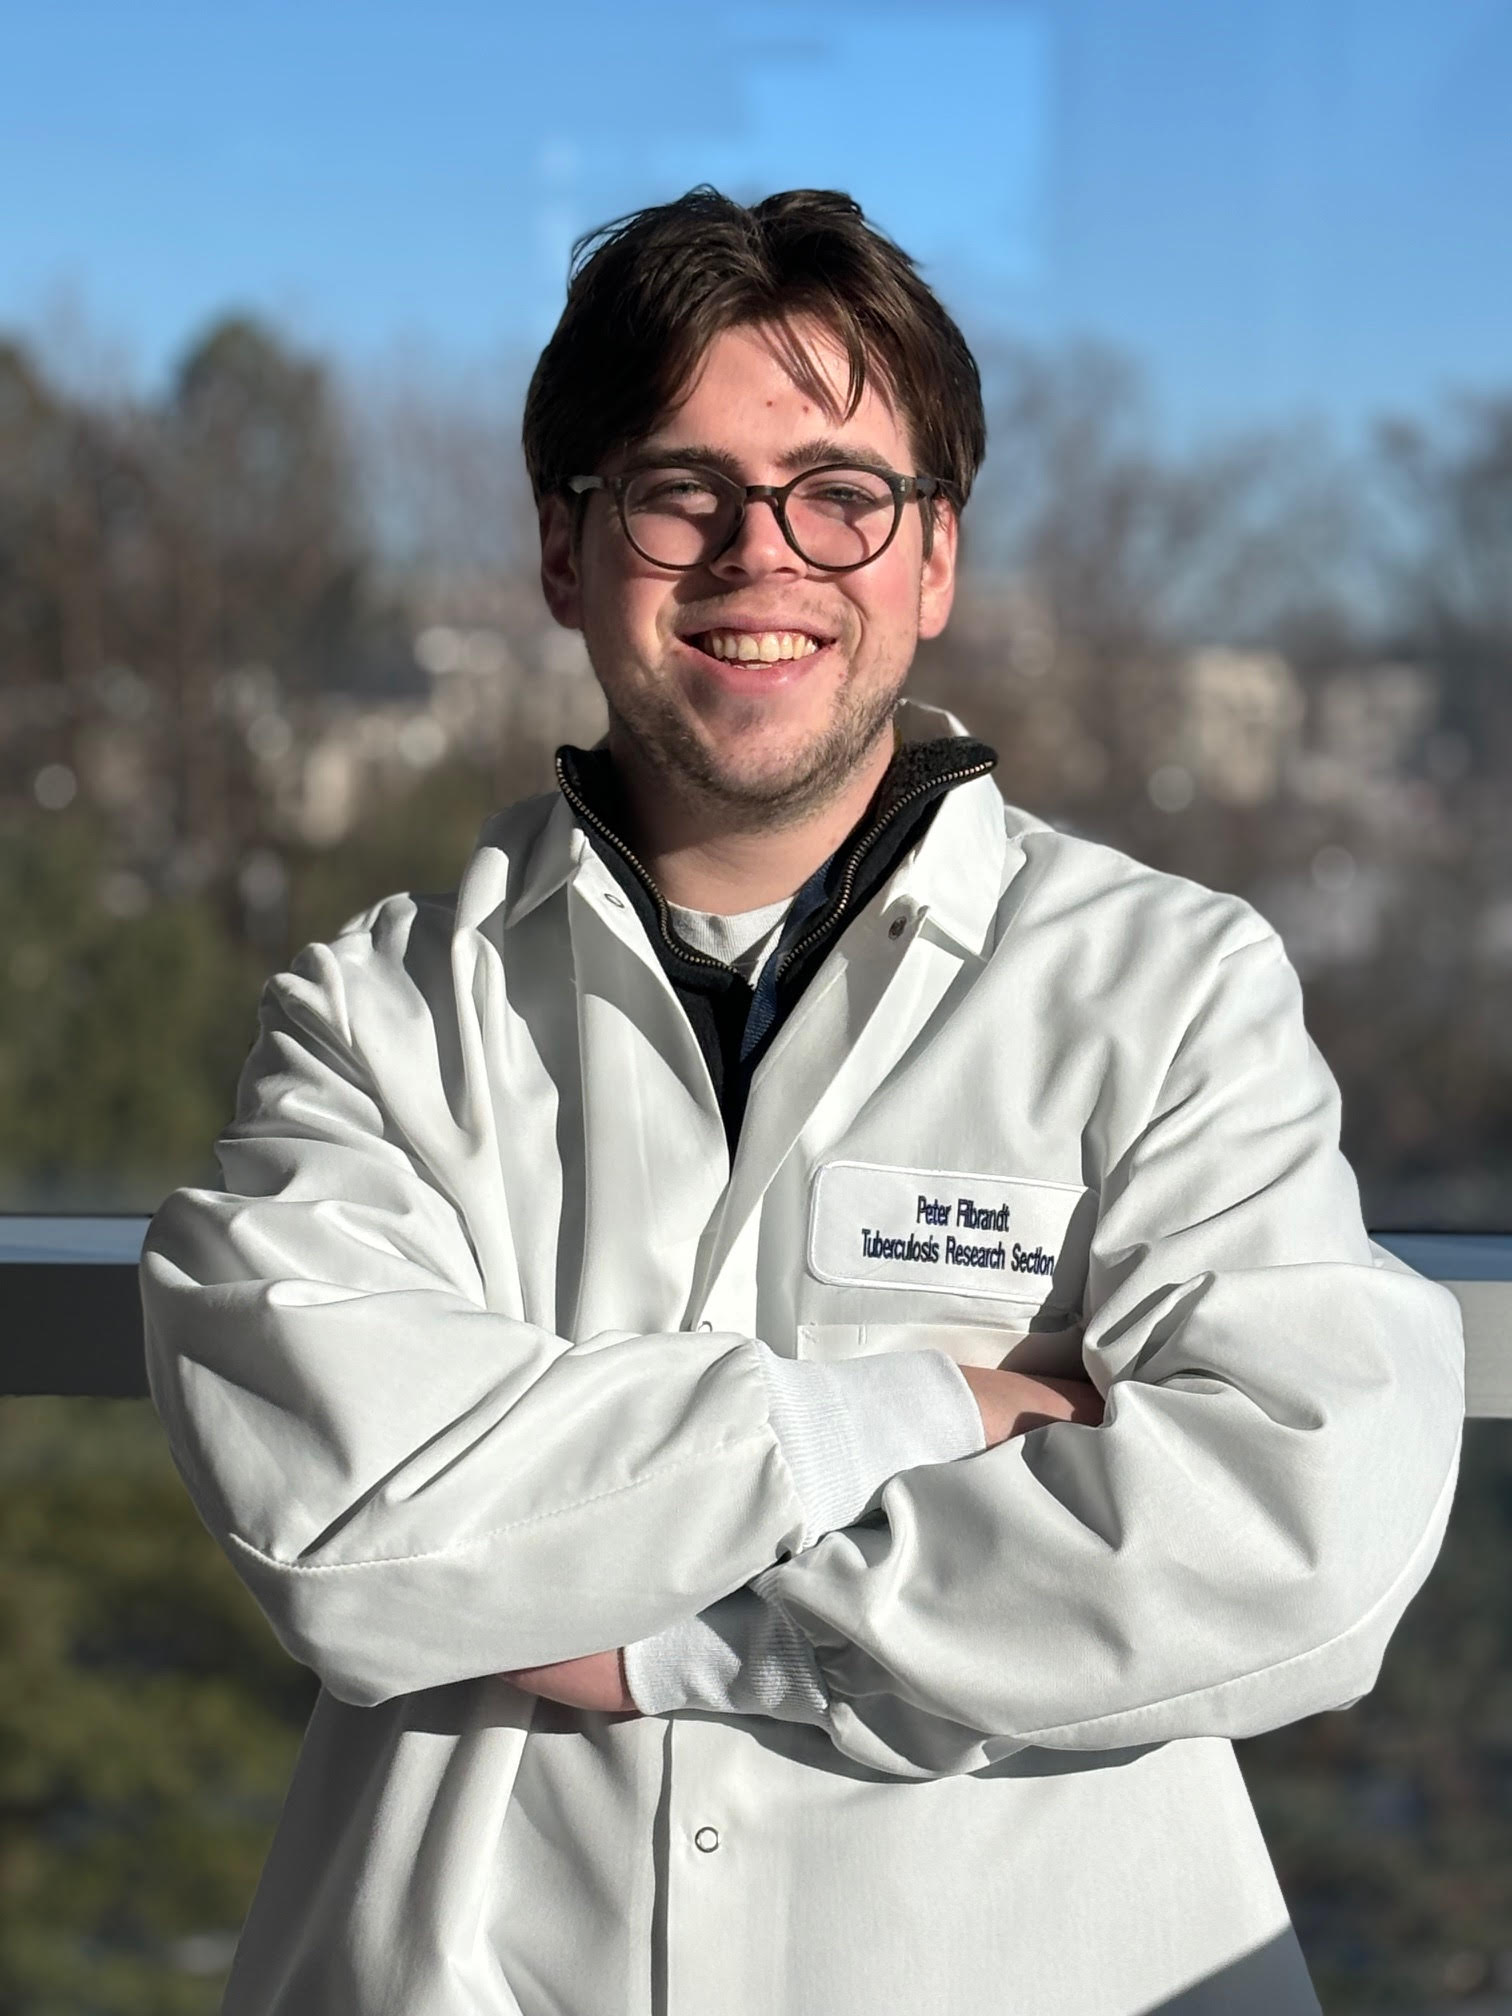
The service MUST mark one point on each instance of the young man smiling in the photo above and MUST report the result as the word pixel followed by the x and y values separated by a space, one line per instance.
pixel 751 699
pixel 800 1356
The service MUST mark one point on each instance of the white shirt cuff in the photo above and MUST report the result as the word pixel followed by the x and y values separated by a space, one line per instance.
pixel 742 1656
pixel 847 1425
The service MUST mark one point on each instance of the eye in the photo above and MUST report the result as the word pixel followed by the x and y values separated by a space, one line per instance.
pixel 683 490
pixel 847 492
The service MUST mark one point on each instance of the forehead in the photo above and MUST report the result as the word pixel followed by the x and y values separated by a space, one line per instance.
pixel 750 394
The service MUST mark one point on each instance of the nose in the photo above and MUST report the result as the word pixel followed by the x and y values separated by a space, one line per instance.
pixel 759 549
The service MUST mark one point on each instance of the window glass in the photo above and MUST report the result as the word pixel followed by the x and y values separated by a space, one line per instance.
pixel 1237 588
pixel 1237 599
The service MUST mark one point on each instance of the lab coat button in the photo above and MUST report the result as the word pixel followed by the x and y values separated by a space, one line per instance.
pixel 707 1839
pixel 897 927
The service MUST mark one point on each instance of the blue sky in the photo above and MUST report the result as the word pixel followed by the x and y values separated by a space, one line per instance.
pixel 1280 207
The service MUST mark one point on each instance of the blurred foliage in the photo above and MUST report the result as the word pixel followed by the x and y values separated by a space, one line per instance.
pixel 194 609
pixel 421 843
pixel 1391 1823
pixel 120 1038
pixel 231 716
pixel 162 563
pixel 148 1723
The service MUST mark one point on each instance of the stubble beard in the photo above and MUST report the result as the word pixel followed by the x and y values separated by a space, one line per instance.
pixel 770 799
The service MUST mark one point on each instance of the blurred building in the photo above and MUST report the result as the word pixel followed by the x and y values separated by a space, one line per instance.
pixel 1368 724
pixel 1242 715
pixel 501 686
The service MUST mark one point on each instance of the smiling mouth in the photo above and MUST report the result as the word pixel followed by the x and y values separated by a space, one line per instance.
pixel 753 647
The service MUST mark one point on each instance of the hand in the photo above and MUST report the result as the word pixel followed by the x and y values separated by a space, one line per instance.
pixel 596 1681
pixel 1012 1403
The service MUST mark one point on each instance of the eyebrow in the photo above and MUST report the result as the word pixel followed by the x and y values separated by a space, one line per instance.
pixel 806 455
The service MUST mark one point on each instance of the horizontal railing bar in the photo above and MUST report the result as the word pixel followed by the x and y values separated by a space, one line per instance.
pixel 79 1239
pixel 71 1316
pixel 1453 1256
pixel 105 1238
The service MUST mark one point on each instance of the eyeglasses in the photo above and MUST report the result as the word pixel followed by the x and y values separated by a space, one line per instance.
pixel 836 518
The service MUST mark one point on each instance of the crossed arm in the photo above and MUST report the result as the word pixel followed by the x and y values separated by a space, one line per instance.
pixel 1011 1403
pixel 420 1490
pixel 1279 1407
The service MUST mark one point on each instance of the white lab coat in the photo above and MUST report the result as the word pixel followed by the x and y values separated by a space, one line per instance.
pixel 460 1371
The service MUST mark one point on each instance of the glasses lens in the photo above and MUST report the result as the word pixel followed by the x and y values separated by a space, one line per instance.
pixel 678 517
pixel 841 517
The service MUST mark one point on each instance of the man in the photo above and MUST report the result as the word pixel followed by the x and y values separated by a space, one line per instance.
pixel 800 1356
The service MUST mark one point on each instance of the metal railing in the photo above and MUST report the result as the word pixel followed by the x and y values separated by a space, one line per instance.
pixel 71 1318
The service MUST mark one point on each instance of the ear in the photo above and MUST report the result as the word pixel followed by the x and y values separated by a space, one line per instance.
pixel 938 576
pixel 561 572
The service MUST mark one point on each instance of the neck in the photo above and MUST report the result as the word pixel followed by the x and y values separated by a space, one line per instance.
pixel 728 858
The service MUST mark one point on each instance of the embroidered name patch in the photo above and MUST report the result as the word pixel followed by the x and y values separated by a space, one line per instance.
pixel 994 1236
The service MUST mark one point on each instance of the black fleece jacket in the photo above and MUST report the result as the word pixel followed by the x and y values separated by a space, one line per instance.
pixel 733 1021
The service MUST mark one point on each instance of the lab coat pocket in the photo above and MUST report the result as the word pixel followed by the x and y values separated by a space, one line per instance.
pixel 1045 1353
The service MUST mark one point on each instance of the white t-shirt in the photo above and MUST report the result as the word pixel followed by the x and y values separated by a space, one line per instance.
pixel 745 941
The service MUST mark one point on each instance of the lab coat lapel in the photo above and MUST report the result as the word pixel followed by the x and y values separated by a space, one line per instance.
pixel 655 1160
pixel 881 983
pixel 826 1061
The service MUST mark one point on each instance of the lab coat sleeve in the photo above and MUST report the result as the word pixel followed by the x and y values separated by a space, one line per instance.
pixel 1231 1549
pixel 420 1489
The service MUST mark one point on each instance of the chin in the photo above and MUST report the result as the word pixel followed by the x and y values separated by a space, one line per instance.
pixel 742 782
pixel 782 783
pixel 746 759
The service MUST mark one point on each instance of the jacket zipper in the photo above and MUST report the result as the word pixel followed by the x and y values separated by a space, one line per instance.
pixel 837 908
pixel 591 818
pixel 831 916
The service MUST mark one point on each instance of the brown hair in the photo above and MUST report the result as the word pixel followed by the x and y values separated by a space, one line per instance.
pixel 650 292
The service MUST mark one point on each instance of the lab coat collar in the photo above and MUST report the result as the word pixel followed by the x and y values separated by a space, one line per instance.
pixel 955 874
pixel 535 849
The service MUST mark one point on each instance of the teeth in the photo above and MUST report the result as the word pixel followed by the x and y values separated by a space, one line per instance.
pixel 767 646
